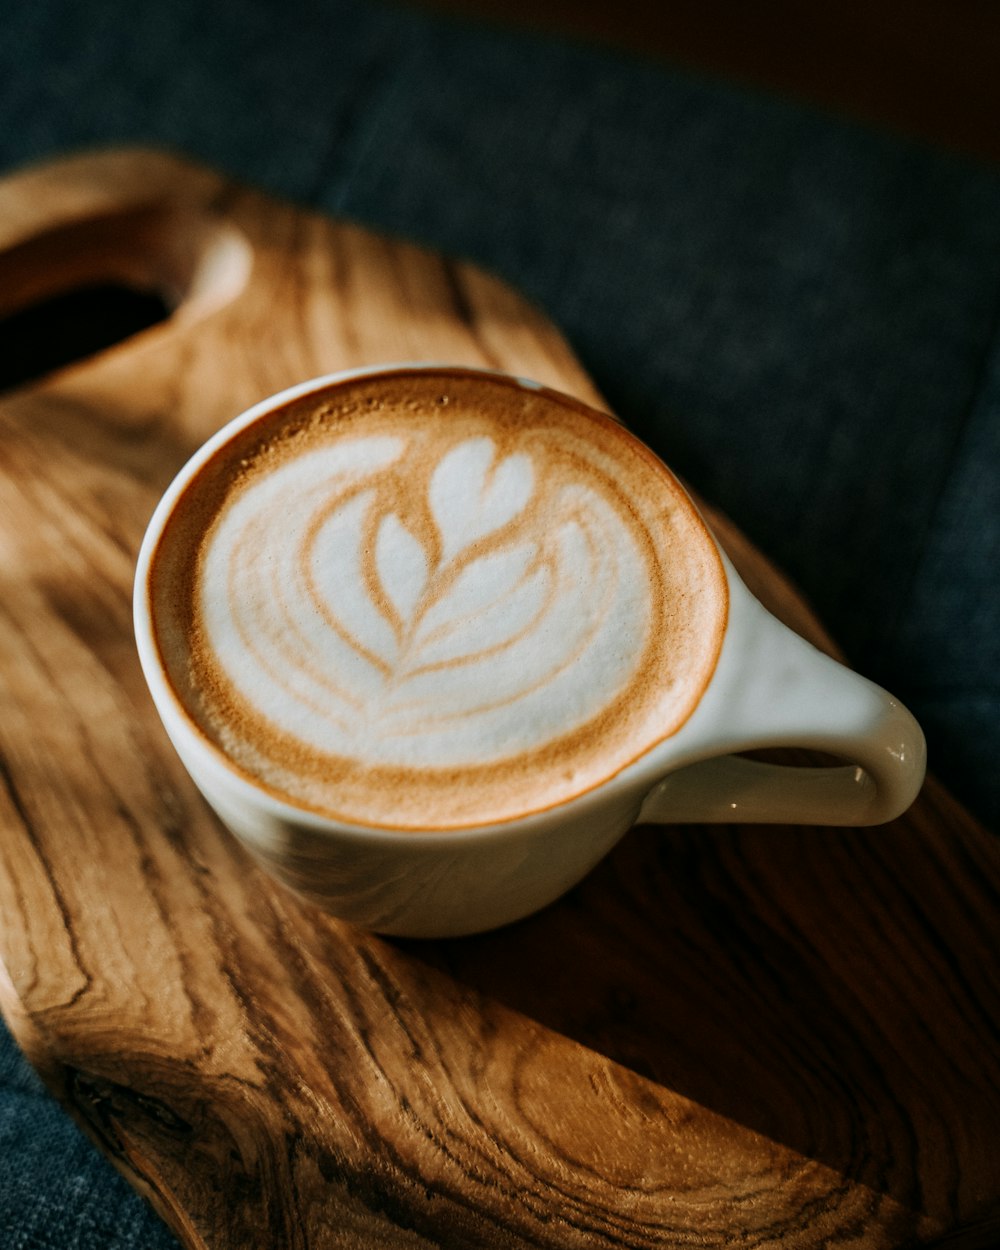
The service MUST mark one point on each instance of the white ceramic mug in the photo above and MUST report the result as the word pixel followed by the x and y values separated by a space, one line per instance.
pixel 770 688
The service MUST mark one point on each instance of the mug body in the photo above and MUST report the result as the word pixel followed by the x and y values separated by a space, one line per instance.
pixel 412 884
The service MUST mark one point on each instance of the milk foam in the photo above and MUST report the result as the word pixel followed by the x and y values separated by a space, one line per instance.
pixel 338 623
pixel 434 600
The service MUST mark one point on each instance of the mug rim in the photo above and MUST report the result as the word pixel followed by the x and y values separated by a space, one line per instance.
pixel 178 720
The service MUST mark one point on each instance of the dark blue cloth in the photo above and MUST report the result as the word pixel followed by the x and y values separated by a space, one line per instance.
pixel 800 315
pixel 56 1192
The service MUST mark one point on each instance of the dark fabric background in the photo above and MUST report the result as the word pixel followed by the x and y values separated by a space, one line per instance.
pixel 798 314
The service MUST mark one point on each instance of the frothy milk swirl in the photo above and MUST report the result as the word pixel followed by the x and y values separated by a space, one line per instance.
pixel 430 623
pixel 361 637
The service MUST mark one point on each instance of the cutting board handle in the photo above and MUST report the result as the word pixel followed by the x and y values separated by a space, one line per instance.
pixel 159 259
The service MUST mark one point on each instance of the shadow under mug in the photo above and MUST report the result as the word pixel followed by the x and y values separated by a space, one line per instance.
pixel 770 688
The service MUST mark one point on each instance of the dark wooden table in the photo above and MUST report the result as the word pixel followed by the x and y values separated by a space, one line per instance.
pixel 918 67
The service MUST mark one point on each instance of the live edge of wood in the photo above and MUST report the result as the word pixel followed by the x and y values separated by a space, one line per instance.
pixel 728 1037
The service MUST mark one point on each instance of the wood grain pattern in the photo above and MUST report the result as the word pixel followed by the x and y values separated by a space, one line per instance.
pixel 724 1037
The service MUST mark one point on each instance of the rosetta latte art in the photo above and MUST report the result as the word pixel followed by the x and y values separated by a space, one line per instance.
pixel 434 600
pixel 441 619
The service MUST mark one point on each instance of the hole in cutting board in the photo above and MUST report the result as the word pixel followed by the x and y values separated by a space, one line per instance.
pixel 74 291
pixel 71 326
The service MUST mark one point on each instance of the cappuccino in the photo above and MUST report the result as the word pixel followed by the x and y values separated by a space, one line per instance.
pixel 435 599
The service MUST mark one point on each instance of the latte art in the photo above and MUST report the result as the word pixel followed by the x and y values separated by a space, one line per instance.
pixel 455 604
pixel 498 625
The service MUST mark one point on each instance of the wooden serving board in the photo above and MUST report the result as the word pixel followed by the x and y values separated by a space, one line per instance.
pixel 728 1037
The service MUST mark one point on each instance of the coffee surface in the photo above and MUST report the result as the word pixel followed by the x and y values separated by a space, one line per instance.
pixel 431 600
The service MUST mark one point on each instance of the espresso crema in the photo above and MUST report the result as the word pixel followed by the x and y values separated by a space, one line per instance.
pixel 435 599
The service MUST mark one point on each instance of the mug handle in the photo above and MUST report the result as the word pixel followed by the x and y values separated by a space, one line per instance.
pixel 771 688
